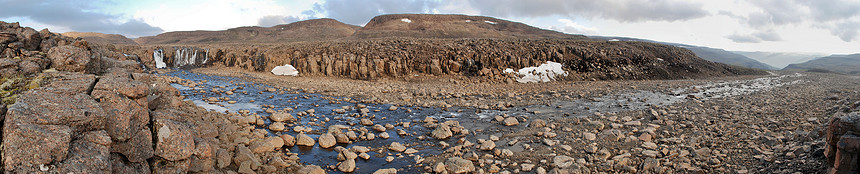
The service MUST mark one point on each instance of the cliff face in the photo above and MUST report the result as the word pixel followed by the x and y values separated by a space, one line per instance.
pixel 487 58
pixel 316 29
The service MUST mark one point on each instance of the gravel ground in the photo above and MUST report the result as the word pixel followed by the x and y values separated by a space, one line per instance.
pixel 771 129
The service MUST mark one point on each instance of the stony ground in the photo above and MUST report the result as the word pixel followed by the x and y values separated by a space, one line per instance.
pixel 769 131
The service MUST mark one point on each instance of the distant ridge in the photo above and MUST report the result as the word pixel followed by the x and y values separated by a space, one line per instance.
pixel 308 30
pixel 842 64
pixel 711 54
pixel 100 37
pixel 453 26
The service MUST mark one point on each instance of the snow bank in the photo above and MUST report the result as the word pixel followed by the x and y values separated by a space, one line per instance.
pixel 286 70
pixel 491 22
pixel 406 20
pixel 544 73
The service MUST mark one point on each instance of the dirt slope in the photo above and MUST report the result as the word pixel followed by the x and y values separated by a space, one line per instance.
pixel 316 29
pixel 452 26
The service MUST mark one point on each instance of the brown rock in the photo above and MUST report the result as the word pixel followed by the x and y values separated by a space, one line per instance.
pixel 69 58
pixel 127 117
pixel 311 169
pixel 459 165
pixel 26 146
pixel 511 121
pixel 347 166
pixel 120 165
pixel 289 140
pixel 268 144
pixel 223 158
pixel 386 171
pixel 327 140
pixel 138 148
pixel 304 140
pixel 397 147
pixel 70 83
pixel 90 154
pixel 123 85
pixel 40 106
pixel 282 117
pixel 165 166
pixel 174 140
pixel 441 132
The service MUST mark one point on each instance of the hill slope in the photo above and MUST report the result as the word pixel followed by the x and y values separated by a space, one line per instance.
pixel 315 29
pixel 711 54
pixel 100 37
pixel 845 64
pixel 453 26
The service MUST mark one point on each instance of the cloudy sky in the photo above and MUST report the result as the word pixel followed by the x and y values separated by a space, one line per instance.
pixel 819 26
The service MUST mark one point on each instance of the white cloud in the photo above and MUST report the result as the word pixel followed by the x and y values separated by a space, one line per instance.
pixel 572 27
pixel 211 15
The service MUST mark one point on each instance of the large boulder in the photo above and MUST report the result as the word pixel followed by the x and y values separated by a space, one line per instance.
pixel 70 83
pixel 69 58
pixel 30 38
pixel 120 165
pixel 29 146
pixel 41 106
pixel 174 140
pixel 138 148
pixel 89 154
pixel 127 117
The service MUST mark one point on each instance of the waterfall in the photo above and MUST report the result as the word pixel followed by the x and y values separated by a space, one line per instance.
pixel 158 55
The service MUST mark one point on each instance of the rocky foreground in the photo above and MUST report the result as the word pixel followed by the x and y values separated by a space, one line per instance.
pixel 72 107
pixel 776 130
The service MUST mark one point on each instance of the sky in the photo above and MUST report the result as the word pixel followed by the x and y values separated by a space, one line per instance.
pixel 805 26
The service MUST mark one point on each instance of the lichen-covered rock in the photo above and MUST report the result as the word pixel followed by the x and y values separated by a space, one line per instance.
pixel 138 148
pixel 127 117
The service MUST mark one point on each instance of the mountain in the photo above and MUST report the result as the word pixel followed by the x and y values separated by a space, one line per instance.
pixel 308 30
pixel 780 59
pixel 711 54
pixel 100 37
pixel 843 64
pixel 453 26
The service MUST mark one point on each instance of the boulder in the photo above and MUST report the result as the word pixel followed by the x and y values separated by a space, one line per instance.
pixel 138 148
pixel 459 165
pixel 127 117
pixel 441 132
pixel 166 166
pixel 70 83
pixel 89 154
pixel 41 106
pixel 304 140
pixel 327 140
pixel 397 147
pixel 123 85
pixel 282 117
pixel 69 58
pixel 347 166
pixel 268 144
pixel 27 146
pixel 174 140
pixel 311 169
pixel 120 165
pixel 289 140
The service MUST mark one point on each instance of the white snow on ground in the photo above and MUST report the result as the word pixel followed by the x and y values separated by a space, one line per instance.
pixel 490 22
pixel 286 70
pixel 406 20
pixel 544 73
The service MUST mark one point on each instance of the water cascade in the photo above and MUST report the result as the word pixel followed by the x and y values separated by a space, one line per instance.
pixel 184 56
pixel 158 56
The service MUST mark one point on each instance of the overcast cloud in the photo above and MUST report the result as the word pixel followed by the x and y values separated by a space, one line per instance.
pixel 74 15
pixel 840 17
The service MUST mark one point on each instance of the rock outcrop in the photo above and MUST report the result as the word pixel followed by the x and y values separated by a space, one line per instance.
pixel 842 140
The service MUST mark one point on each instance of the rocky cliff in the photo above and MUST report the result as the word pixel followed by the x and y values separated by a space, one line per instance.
pixel 483 58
